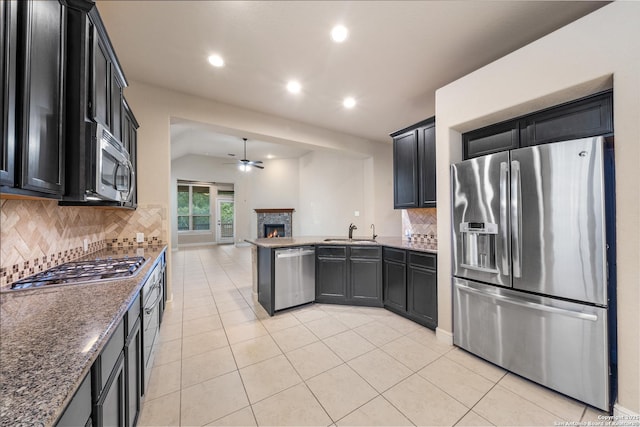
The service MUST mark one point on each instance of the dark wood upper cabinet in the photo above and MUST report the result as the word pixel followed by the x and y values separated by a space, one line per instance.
pixel 405 170
pixel 8 64
pixel 33 47
pixel 427 166
pixel 490 139
pixel 94 95
pixel 130 142
pixel 585 117
pixel 414 160
pixel 42 124
pixel 100 78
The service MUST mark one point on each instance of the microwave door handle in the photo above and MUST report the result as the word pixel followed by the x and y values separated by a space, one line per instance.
pixel 115 175
pixel 132 181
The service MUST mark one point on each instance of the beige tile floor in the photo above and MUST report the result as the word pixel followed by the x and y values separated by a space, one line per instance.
pixel 223 361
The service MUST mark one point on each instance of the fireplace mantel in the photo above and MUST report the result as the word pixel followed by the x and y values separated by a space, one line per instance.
pixel 276 210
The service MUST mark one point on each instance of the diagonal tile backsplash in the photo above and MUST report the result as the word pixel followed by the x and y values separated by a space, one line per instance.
pixel 39 234
pixel 421 224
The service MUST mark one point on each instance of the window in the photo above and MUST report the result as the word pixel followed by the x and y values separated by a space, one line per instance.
pixel 194 207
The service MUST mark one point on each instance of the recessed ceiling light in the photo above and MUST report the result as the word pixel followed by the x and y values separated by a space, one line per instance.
pixel 339 33
pixel 294 87
pixel 216 60
pixel 270 156
pixel 349 102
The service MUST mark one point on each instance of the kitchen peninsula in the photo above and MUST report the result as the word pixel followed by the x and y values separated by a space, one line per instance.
pixel 390 272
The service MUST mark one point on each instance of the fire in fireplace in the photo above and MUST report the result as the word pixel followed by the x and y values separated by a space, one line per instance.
pixel 274 230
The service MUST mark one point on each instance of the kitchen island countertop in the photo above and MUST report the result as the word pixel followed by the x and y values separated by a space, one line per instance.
pixel 51 336
pixel 394 242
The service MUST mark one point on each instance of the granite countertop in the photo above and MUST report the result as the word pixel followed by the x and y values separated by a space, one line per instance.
pixel 394 242
pixel 51 336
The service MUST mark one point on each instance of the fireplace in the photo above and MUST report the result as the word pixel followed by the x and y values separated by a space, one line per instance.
pixel 274 222
pixel 274 230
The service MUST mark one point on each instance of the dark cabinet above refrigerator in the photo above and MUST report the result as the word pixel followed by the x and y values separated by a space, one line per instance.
pixel 581 118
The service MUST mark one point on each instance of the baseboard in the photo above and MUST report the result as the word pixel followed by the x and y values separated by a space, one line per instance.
pixel 625 417
pixel 444 336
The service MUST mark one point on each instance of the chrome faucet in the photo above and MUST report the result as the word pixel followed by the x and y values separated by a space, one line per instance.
pixel 373 227
pixel 351 228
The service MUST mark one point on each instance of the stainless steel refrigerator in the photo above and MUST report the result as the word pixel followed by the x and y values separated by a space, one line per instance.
pixel 534 276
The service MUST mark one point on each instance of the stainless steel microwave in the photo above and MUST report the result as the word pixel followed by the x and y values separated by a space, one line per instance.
pixel 114 175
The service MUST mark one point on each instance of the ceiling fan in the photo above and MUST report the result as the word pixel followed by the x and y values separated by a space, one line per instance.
pixel 245 163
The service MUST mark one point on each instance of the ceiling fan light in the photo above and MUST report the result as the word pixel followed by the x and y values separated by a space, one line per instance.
pixel 244 168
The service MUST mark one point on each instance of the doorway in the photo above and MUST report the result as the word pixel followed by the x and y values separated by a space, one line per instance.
pixel 225 225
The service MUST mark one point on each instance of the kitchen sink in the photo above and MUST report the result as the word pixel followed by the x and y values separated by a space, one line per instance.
pixel 351 240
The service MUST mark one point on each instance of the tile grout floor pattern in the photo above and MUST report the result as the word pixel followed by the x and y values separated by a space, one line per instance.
pixel 222 360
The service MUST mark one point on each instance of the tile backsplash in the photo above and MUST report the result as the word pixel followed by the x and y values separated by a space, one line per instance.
pixel 38 234
pixel 421 224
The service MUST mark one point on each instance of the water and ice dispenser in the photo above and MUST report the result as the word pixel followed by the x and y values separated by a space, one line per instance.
pixel 479 246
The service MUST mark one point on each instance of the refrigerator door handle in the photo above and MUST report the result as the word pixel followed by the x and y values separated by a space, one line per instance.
pixel 530 305
pixel 504 228
pixel 516 224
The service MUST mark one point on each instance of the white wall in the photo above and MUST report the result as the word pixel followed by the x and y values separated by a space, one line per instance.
pixel 332 189
pixel 276 186
pixel 581 58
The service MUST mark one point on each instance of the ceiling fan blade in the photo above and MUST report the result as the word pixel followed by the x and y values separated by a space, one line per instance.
pixel 257 161
pixel 257 166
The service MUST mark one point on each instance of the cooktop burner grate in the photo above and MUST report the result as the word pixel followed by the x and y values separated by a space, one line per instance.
pixel 82 271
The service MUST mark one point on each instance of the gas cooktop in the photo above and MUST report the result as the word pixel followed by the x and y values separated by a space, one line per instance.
pixel 82 271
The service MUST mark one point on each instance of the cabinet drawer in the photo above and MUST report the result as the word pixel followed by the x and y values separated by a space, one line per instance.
pixel 110 354
pixel 423 260
pixel 390 254
pixel 365 252
pixel 331 251
pixel 133 314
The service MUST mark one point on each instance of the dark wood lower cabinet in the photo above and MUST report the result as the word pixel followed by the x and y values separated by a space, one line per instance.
pixel 78 411
pixel 365 282
pixel 395 285
pixel 410 285
pixel 331 279
pixel 133 357
pixel 422 296
pixel 349 275
pixel 110 410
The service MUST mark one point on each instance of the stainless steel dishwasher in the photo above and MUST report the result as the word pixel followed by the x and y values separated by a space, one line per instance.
pixel 295 276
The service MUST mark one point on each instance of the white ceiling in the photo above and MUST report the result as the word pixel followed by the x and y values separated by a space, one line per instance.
pixel 397 54
pixel 189 137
